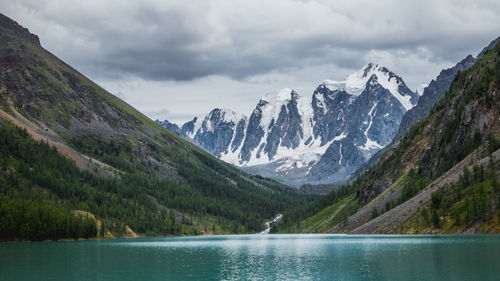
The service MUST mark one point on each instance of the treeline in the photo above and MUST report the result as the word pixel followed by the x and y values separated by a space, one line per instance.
pixel 243 197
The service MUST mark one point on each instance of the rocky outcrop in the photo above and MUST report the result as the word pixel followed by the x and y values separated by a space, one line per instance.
pixel 11 31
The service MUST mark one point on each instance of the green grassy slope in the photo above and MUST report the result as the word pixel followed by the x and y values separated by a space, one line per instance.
pixel 131 172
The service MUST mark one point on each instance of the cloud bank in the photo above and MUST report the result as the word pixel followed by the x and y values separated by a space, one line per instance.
pixel 175 59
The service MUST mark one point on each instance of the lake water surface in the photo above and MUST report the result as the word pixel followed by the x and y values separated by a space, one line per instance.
pixel 257 257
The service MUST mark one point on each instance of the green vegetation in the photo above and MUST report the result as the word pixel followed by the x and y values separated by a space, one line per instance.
pixel 320 189
pixel 473 200
pixel 40 220
pixel 39 190
pixel 295 215
pixel 411 184
pixel 318 223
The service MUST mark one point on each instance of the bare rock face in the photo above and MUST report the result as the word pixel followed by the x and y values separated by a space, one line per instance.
pixel 432 93
pixel 221 131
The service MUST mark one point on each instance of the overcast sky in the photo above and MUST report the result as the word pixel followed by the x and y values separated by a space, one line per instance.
pixel 177 59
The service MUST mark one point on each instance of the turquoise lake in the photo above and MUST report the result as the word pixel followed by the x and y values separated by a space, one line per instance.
pixel 257 257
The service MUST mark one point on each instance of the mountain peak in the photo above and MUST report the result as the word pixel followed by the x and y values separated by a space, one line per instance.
pixel 282 95
pixel 225 115
pixel 356 82
pixel 321 138
pixel 373 68
pixel 12 30
pixel 367 68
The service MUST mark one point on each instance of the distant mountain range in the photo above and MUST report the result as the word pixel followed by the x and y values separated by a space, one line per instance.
pixel 298 140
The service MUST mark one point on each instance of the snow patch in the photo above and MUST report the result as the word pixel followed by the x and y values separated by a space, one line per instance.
pixel 341 156
pixel 355 83
pixel 321 101
pixel 342 136
pixel 274 101
pixel 229 115
pixel 370 144
pixel 304 106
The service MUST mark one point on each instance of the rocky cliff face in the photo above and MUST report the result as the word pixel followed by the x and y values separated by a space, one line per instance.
pixel 220 132
pixel 437 88
pixel 319 139
pixel 432 93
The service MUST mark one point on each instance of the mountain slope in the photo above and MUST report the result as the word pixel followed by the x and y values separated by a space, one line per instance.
pixel 440 176
pixel 323 139
pixel 121 154
pixel 437 88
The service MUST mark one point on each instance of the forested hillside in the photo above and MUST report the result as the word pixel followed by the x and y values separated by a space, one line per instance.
pixel 441 176
pixel 77 161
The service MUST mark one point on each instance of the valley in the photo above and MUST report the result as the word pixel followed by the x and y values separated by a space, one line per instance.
pixel 376 157
pixel 249 140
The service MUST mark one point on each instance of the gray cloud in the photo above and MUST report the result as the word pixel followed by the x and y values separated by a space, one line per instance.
pixel 163 40
pixel 259 45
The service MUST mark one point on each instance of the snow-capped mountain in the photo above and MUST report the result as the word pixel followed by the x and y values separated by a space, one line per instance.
pixel 366 115
pixel 298 139
pixel 220 132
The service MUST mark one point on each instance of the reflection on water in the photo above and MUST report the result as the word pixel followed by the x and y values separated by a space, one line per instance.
pixel 257 257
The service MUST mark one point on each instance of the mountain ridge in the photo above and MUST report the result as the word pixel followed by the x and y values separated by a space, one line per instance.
pixel 287 135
